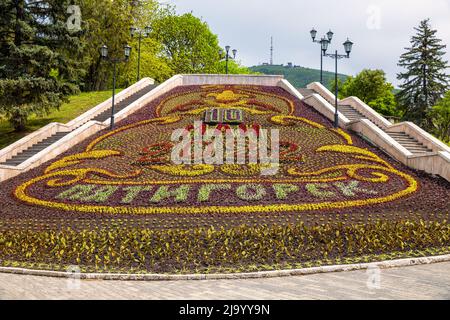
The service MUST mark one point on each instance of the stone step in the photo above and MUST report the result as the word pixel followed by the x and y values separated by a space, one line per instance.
pixel 353 117
pixel 396 133
pixel 408 146
pixel 36 148
pixel 400 136
pixel 305 92
pixel 406 140
pixel 416 147
pixel 20 160
pixel 349 112
pixel 343 106
pixel 352 114
pixel 418 150
pixel 13 164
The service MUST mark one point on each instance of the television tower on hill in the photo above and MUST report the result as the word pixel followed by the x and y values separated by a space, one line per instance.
pixel 271 51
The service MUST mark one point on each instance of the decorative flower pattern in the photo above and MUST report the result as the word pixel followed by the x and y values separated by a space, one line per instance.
pixel 115 202
pixel 323 166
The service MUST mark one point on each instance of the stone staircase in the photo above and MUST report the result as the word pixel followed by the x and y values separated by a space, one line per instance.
pixel 105 115
pixel 407 141
pixel 350 113
pixel 411 144
pixel 305 92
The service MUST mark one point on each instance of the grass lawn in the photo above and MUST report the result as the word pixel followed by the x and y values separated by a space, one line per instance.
pixel 78 105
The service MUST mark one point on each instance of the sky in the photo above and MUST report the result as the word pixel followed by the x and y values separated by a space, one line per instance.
pixel 380 29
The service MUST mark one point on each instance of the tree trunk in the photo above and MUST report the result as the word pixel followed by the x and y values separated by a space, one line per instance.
pixel 19 5
pixel 18 121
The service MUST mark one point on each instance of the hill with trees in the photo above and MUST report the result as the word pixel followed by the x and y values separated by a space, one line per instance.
pixel 299 76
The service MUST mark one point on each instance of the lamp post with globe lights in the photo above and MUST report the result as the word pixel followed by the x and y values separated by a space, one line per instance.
pixel 324 42
pixel 226 56
pixel 145 33
pixel 348 45
pixel 114 61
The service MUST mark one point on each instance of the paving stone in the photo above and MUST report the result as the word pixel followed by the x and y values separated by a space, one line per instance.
pixel 415 282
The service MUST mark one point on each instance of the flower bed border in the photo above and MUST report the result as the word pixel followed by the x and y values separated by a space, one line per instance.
pixel 386 264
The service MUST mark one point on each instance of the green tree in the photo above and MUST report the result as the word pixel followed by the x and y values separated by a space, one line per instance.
pixel 153 63
pixel 39 57
pixel 234 67
pixel 371 87
pixel 425 79
pixel 187 43
pixel 440 118
pixel 105 22
pixel 341 89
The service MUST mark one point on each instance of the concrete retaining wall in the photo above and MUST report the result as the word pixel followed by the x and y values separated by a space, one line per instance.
pixel 325 108
pixel 286 85
pixel 378 137
pixel 367 111
pixel 62 145
pixel 323 91
pixel 205 79
pixel 436 162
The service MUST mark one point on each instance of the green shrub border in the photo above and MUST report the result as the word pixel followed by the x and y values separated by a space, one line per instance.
pixel 210 250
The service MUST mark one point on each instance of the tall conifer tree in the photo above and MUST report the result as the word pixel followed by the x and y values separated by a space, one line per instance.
pixel 425 79
pixel 39 57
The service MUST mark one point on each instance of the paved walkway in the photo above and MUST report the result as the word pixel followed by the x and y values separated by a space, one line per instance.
pixel 417 282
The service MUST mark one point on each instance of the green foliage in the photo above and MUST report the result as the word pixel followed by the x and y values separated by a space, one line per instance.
pixel 187 43
pixel 299 77
pixel 234 67
pixel 251 192
pixel 191 250
pixel 39 58
pixel 87 193
pixel 425 79
pixel 180 194
pixel 371 87
pixel 42 62
pixel 105 22
pixel 152 65
pixel 440 115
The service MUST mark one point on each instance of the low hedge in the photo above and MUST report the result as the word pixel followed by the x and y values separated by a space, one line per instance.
pixel 194 250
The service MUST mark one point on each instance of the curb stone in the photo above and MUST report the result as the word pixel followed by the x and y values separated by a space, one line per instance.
pixel 231 276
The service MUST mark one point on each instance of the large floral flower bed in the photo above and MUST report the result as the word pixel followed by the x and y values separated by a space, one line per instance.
pixel 116 202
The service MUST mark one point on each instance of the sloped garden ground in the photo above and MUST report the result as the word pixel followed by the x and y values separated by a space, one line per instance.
pixel 116 202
